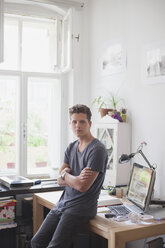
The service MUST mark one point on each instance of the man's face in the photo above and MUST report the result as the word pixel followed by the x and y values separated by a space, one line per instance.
pixel 80 125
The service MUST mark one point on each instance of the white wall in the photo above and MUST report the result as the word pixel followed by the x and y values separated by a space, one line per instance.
pixel 1 30
pixel 136 23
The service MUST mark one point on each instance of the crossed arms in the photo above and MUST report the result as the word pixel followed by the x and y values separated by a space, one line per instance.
pixel 81 182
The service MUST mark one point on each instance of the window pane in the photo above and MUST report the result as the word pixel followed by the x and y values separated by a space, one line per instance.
pixel 43 124
pixel 38 46
pixel 11 52
pixel 8 105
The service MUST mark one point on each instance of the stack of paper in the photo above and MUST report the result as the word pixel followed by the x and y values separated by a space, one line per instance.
pixel 108 200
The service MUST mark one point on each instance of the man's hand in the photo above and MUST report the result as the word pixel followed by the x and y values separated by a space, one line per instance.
pixel 64 168
pixel 85 174
pixel 67 169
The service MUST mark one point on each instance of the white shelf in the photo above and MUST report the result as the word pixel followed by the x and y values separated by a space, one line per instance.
pixel 116 136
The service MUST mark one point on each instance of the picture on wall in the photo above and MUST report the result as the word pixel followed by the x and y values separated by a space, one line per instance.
pixel 113 59
pixel 154 64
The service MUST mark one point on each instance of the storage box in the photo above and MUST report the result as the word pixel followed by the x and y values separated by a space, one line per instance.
pixel 7 211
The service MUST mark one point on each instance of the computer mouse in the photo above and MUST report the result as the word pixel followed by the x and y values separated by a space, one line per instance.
pixel 109 215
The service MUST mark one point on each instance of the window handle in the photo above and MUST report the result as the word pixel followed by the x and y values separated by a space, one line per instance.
pixel 24 131
pixel 77 37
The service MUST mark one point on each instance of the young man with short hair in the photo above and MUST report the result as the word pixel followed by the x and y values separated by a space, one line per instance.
pixel 82 174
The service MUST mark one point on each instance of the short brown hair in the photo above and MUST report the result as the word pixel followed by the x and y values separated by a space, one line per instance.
pixel 80 108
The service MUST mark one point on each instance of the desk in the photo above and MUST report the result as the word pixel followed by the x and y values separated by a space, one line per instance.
pixel 116 233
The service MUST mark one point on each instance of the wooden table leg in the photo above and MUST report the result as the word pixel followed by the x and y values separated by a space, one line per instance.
pixel 114 240
pixel 38 214
pixel 111 239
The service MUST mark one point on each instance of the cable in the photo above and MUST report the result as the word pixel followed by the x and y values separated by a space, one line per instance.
pixel 145 240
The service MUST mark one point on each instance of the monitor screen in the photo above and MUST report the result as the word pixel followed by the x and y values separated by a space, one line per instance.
pixel 141 185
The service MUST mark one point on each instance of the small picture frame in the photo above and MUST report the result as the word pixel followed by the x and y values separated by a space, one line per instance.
pixel 113 58
pixel 153 64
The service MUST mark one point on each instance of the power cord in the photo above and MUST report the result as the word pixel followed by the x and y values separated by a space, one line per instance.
pixel 145 243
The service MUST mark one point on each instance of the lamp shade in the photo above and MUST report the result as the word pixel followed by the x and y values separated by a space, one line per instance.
pixel 124 158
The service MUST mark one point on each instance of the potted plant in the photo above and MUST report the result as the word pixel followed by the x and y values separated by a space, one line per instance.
pixel 101 105
pixel 40 162
pixel 106 103
pixel 11 158
pixel 10 165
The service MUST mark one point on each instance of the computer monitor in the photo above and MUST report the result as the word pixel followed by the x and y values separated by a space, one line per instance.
pixel 141 186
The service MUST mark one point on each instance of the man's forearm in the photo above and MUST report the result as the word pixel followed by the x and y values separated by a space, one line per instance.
pixel 73 181
pixel 82 182
pixel 69 180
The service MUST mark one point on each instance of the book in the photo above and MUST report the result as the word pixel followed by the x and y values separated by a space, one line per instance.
pixel 107 200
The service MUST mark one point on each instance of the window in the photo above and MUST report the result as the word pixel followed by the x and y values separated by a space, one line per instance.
pixel 30 44
pixel 40 39
pixel 8 121
pixel 30 96
pixel 43 124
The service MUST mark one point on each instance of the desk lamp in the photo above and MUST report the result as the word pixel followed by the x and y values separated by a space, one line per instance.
pixel 124 158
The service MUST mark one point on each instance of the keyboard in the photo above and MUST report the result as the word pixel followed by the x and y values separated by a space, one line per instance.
pixel 119 210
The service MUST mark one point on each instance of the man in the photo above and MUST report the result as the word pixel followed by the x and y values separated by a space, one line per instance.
pixel 82 174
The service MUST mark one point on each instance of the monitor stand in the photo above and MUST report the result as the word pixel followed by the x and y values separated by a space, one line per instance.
pixel 157 201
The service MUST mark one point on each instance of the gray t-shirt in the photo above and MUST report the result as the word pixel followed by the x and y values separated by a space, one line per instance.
pixel 94 156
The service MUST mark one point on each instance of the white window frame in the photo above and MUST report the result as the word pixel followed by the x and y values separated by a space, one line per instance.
pixel 22 129
pixel 68 17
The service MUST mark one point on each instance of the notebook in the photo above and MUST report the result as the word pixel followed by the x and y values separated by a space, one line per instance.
pixel 139 190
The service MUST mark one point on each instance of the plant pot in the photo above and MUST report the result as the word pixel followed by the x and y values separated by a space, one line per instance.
pixel 11 165
pixel 41 164
pixel 104 111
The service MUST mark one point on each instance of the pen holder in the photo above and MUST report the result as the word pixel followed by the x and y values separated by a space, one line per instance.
pixel 119 192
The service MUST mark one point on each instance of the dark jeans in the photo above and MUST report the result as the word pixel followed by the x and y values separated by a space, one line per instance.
pixel 58 230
